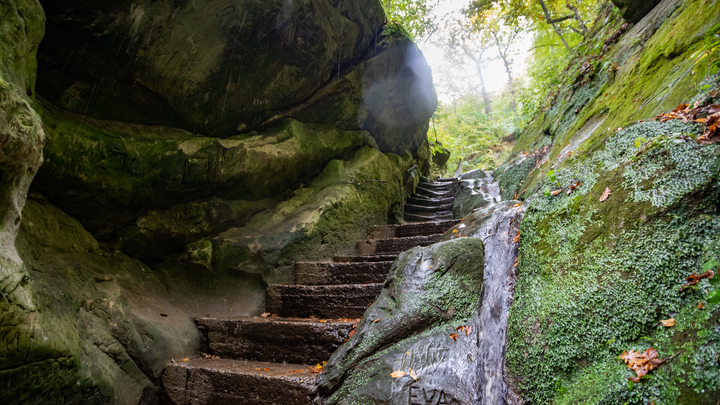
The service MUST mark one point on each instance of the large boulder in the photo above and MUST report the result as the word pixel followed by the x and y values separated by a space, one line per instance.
pixel 389 95
pixel 321 220
pixel 214 67
pixel 429 292
pixel 108 173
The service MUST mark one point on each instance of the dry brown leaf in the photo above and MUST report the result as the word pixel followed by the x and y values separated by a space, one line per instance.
pixel 454 336
pixel 517 238
pixel 412 374
pixel 605 194
pixel 556 192
pixel 265 314
pixel 517 205
pixel 695 278
pixel 185 359
pixel 397 374
pixel 352 333
pixel 668 323
pixel 376 321
pixel 642 362
pixel 266 369
pixel 297 371
pixel 701 305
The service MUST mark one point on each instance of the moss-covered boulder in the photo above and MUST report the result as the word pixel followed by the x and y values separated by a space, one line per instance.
pixel 389 95
pixel 323 219
pixel 429 292
pixel 103 327
pixel 108 173
pixel 213 67
pixel 602 261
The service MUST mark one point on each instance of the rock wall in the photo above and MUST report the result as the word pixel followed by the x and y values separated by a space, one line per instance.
pixel 190 159
pixel 621 209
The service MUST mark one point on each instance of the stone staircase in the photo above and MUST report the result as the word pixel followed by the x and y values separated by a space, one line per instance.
pixel 272 359
pixel 432 201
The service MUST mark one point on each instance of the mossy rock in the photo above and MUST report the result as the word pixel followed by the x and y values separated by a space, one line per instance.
pixel 208 67
pixel 107 174
pixel 428 293
pixel 323 219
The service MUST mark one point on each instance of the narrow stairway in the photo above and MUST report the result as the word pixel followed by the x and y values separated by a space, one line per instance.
pixel 432 201
pixel 271 360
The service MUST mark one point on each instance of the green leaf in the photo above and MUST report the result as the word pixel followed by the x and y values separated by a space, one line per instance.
pixel 714 266
pixel 714 297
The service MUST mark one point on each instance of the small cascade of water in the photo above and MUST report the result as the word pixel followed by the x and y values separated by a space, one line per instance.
pixel 497 225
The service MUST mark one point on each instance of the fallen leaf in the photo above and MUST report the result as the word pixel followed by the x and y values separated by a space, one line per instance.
pixel 668 323
pixel 185 359
pixel 642 362
pixel 297 371
pixel 605 194
pixel 413 374
pixel 265 314
pixel 517 205
pixel 701 305
pixel 266 369
pixel 352 332
pixel 397 374
pixel 556 192
pixel 322 320
pixel 376 321
pixel 517 238
pixel 454 336
pixel 695 278
pixel 407 352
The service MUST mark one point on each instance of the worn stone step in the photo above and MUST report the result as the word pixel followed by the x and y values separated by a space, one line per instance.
pixel 323 273
pixel 413 229
pixel 430 202
pixel 321 301
pixel 420 191
pixel 446 179
pixel 394 245
pixel 426 217
pixel 436 186
pixel 291 340
pixel 422 209
pixel 367 258
pixel 232 382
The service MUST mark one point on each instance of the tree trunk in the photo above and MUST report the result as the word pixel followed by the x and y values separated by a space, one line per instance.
pixel 484 93
pixel 550 21
pixel 503 55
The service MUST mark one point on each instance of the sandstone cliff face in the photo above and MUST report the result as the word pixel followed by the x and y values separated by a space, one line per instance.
pixel 194 151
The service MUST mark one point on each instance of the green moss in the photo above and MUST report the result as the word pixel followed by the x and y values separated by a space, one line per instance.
pixel 596 277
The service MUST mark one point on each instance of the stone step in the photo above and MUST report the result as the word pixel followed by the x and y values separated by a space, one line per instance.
pixel 394 245
pixel 414 229
pixel 434 194
pixel 291 340
pixel 368 258
pixel 426 217
pixel 321 301
pixel 232 382
pixel 430 202
pixel 421 209
pixel 436 186
pixel 446 179
pixel 324 273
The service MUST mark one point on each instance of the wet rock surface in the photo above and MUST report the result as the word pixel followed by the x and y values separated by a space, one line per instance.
pixel 474 190
pixel 635 10
pixel 324 301
pixel 429 292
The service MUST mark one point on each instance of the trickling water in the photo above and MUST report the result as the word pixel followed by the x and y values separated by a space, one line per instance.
pixel 497 225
